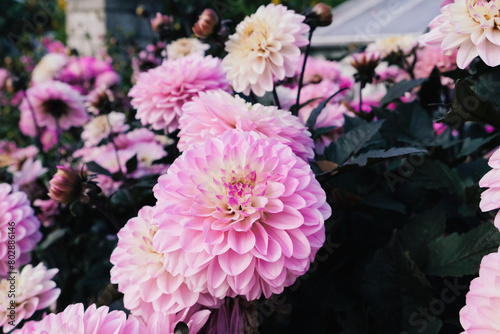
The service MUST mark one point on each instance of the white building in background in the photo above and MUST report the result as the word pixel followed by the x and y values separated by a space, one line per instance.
pixel 359 22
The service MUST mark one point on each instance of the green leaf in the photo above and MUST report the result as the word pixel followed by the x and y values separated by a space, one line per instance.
pixel 131 164
pixel 472 145
pixel 461 254
pixel 395 290
pixel 399 90
pixel 51 238
pixel 467 106
pixel 434 174
pixel 96 168
pixel 386 203
pixel 322 131
pixel 381 155
pixel 311 121
pixel 416 235
pixel 352 142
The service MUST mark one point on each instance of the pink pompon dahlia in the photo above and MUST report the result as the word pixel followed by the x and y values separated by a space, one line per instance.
pixel 480 313
pixel 246 213
pixel 490 198
pixel 160 93
pixel 34 290
pixel 53 104
pixel 471 26
pixel 161 323
pixel 73 320
pixel 140 274
pixel 264 49
pixel 16 216
pixel 212 113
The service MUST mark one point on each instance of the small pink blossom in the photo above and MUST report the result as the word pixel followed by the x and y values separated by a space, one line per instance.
pixel 55 105
pixel 490 198
pixel 161 92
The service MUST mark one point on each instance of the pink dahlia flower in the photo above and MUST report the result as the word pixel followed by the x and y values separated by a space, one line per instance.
pixel 160 93
pixel 212 113
pixel 35 290
pixel 55 104
pixel 469 26
pixel 140 274
pixel 73 320
pixel 161 323
pixel 82 72
pixel 264 49
pixel 429 57
pixel 318 69
pixel 16 213
pixel 490 198
pixel 480 313
pixel 245 211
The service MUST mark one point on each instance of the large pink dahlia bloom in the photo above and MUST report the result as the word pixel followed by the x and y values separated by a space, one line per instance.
pixel 160 93
pixel 139 272
pixel 480 313
pixel 246 212
pixel 15 208
pixel 35 290
pixel 54 104
pixel 264 49
pixel 490 198
pixel 212 113
pixel 73 320
pixel 471 26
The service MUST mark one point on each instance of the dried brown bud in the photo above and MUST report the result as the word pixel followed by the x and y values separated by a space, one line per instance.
pixel 365 63
pixel 66 185
pixel 324 13
pixel 206 24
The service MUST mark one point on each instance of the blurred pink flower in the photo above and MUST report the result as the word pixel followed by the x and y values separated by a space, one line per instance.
pixel 480 313
pixel 429 57
pixel 212 113
pixel 318 69
pixel 490 198
pixel 469 26
pixel 264 49
pixel 73 320
pixel 49 209
pixel 82 72
pixel 246 212
pixel 160 93
pixel 140 274
pixel 15 208
pixel 48 68
pixel 34 291
pixel 107 80
pixel 30 171
pixel 54 104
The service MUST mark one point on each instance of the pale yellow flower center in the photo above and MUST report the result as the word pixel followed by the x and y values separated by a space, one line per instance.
pixel 485 12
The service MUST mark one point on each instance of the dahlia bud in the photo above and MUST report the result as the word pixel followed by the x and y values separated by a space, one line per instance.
pixel 324 14
pixel 66 185
pixel 206 24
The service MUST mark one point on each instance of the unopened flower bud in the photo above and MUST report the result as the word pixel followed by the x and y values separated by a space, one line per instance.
pixel 365 64
pixel 324 14
pixel 206 24
pixel 181 328
pixel 66 185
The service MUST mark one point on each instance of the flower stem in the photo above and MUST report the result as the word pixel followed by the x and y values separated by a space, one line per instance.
pixel 361 86
pixel 301 79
